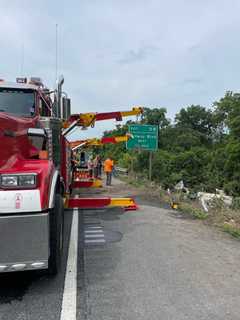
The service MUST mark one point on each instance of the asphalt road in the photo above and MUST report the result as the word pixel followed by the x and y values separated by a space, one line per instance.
pixel 147 264
pixel 165 267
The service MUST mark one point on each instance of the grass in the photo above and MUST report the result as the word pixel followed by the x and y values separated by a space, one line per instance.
pixel 192 211
pixel 232 229
pixel 136 182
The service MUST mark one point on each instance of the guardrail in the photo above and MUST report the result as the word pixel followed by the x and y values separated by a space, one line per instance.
pixel 120 170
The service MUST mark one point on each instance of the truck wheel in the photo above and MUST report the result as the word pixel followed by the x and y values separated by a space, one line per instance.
pixel 56 236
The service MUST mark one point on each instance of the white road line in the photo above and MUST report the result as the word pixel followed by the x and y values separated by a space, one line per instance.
pixel 93 231
pixel 95 241
pixel 94 235
pixel 69 302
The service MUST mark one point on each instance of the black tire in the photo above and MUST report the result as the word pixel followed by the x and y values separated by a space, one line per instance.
pixel 56 236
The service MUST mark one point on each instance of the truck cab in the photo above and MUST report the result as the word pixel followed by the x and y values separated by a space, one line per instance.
pixel 31 205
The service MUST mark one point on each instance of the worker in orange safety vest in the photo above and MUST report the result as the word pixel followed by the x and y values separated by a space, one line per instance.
pixel 108 168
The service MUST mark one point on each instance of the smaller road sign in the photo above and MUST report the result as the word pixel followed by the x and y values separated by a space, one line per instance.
pixel 145 137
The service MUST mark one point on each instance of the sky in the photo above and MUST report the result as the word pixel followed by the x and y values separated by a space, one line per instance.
pixel 115 54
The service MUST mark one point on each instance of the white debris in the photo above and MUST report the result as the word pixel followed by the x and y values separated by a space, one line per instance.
pixel 180 186
pixel 204 205
pixel 206 199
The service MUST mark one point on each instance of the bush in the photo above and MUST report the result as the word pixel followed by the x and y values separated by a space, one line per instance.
pixel 236 203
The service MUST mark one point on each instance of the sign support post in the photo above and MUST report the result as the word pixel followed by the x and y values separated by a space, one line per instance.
pixel 150 165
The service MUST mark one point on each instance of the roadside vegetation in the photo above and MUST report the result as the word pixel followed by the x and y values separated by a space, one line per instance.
pixel 219 215
pixel 201 147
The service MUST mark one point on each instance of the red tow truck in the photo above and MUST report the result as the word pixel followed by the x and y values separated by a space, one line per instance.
pixel 36 173
pixel 82 177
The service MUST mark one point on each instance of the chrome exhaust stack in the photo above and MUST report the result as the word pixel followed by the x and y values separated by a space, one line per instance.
pixel 58 97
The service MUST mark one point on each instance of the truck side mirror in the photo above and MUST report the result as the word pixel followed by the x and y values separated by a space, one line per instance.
pixel 37 138
pixel 36 132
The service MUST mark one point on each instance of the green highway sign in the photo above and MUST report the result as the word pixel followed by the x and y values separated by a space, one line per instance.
pixel 144 137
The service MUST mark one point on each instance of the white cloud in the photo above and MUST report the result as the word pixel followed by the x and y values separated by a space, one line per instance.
pixel 115 54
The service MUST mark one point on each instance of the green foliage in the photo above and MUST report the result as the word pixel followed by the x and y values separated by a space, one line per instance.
pixel 125 161
pixel 155 116
pixel 202 147
pixel 192 211
pixel 196 118
pixel 227 113
pixel 231 229
pixel 162 167
pixel 178 139
pixel 236 203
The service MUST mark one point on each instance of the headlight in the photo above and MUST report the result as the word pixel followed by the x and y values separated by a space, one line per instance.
pixel 28 180
pixel 9 181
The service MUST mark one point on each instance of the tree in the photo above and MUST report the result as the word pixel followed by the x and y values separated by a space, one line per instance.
pixel 198 119
pixel 177 139
pixel 155 116
pixel 227 114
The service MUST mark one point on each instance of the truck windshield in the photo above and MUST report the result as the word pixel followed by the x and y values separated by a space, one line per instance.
pixel 19 102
